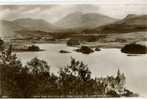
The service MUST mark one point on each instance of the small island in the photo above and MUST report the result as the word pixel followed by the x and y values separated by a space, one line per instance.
pixel 64 51
pixel 97 49
pixel 73 42
pixel 85 50
pixel 134 48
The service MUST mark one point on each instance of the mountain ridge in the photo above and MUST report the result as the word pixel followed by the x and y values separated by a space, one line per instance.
pixel 35 24
pixel 83 20
pixel 131 23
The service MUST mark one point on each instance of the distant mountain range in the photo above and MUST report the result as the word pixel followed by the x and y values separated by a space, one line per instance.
pixel 75 22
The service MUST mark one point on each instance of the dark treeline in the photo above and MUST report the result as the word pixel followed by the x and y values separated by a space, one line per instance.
pixel 35 79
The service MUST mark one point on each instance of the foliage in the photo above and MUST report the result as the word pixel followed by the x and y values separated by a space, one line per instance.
pixel 75 79
pixel 7 58
pixel 77 70
pixel 112 93
pixel 17 80
pixel 36 65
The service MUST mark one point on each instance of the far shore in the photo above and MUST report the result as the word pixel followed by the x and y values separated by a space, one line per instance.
pixel 89 44
pixel 101 43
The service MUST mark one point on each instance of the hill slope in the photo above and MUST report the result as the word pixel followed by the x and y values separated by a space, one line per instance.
pixel 23 28
pixel 35 24
pixel 79 20
pixel 8 28
pixel 132 23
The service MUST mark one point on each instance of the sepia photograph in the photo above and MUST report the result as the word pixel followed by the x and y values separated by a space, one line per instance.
pixel 73 50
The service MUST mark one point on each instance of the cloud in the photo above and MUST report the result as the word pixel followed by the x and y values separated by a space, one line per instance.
pixel 11 12
pixel 50 12
pixel 122 10
pixel 25 7
pixel 53 13
pixel 86 8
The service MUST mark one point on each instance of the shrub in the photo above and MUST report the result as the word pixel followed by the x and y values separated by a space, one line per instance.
pixel 36 65
pixel 76 70
pixel 112 93
pixel 74 78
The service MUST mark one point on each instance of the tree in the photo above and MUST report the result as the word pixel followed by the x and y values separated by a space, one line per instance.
pixel 74 77
pixel 18 81
pixel 8 58
pixel 36 65
pixel 77 70
pixel 10 68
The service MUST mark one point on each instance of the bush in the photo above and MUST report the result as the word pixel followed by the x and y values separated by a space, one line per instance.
pixel 36 65
pixel 75 79
pixel 129 93
pixel 77 70
pixel 112 93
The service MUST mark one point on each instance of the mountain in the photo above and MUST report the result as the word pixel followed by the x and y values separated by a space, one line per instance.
pixel 24 28
pixel 8 28
pixel 15 29
pixel 131 23
pixel 133 19
pixel 35 24
pixel 79 20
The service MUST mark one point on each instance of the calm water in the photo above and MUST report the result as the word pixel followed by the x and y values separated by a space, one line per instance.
pixel 101 63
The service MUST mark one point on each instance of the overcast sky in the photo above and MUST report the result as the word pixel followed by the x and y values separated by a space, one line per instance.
pixel 53 13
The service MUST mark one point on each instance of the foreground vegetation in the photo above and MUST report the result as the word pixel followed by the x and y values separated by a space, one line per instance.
pixel 34 79
pixel 74 80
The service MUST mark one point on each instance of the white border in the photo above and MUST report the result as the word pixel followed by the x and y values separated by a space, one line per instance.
pixel 17 2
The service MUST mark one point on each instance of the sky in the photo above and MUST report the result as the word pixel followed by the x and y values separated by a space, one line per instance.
pixel 55 12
